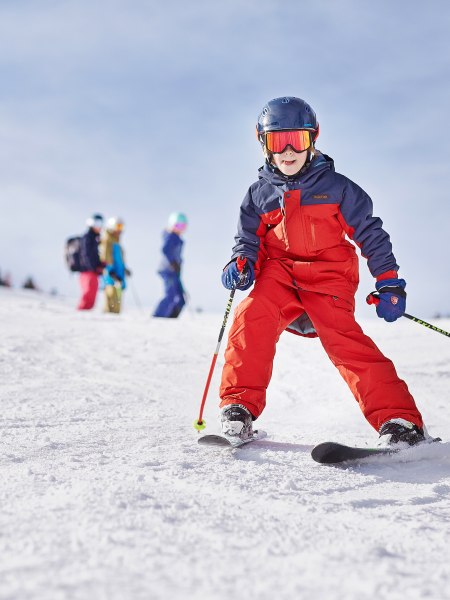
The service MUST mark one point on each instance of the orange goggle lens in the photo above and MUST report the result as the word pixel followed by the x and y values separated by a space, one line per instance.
pixel 276 142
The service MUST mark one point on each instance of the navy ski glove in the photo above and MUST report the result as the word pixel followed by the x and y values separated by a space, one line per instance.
pixel 232 277
pixel 390 299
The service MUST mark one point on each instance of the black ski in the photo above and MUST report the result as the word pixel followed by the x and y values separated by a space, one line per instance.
pixel 331 453
pixel 214 439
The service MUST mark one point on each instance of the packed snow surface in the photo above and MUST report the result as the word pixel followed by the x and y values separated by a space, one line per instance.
pixel 105 493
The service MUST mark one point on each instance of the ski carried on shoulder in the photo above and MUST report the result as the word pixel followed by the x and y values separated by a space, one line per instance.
pixel 217 439
pixel 332 453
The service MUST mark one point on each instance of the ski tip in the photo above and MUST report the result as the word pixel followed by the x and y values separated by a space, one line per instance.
pixel 325 453
pixel 333 453
pixel 214 440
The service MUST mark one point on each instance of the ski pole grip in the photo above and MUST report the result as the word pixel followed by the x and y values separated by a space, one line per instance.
pixel 372 299
pixel 240 263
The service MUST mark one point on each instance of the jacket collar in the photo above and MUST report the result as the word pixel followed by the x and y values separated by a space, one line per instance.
pixel 321 162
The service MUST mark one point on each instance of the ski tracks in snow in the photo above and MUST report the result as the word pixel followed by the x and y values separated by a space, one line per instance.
pixel 106 494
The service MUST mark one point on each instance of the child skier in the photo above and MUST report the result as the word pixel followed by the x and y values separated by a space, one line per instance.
pixel 292 232
pixel 170 268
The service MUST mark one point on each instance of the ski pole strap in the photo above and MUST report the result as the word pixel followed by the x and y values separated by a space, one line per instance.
pixel 374 297
pixel 392 289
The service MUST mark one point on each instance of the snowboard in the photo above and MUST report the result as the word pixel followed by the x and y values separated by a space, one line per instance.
pixel 331 453
pixel 217 439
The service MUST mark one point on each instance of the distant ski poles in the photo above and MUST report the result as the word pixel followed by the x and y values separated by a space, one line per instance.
pixel 373 298
pixel 135 296
pixel 186 295
pixel 199 424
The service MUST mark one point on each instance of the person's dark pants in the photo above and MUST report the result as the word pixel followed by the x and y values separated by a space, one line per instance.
pixel 173 301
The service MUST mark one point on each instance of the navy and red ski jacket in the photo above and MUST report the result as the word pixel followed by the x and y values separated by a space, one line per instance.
pixel 305 219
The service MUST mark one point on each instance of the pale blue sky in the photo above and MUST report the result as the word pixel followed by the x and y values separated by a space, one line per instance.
pixel 138 108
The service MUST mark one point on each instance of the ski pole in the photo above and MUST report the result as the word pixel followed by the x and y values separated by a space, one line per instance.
pixel 199 424
pixel 186 296
pixel 425 324
pixel 135 296
pixel 373 298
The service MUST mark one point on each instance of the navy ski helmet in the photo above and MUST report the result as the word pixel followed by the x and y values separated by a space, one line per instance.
pixel 286 113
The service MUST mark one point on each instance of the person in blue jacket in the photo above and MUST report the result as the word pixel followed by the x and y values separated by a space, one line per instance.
pixel 115 270
pixel 170 268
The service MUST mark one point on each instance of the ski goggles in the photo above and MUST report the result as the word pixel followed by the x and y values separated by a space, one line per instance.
pixel 276 142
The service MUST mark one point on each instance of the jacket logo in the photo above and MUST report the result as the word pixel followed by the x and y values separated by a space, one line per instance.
pixel 320 196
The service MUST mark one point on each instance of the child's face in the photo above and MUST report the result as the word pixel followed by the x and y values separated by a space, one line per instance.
pixel 289 162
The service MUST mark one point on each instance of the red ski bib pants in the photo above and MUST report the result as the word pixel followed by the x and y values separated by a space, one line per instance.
pixel 290 285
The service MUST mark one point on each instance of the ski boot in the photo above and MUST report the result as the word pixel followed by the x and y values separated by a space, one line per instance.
pixel 400 431
pixel 236 422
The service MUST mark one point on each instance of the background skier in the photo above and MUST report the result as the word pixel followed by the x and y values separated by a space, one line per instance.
pixel 292 230
pixel 90 263
pixel 115 271
pixel 170 267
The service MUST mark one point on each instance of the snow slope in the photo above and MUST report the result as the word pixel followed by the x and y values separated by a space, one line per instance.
pixel 105 493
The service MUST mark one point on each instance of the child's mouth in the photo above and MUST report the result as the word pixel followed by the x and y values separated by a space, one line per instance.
pixel 288 163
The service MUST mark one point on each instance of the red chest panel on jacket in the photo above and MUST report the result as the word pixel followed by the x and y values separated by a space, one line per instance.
pixel 306 230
